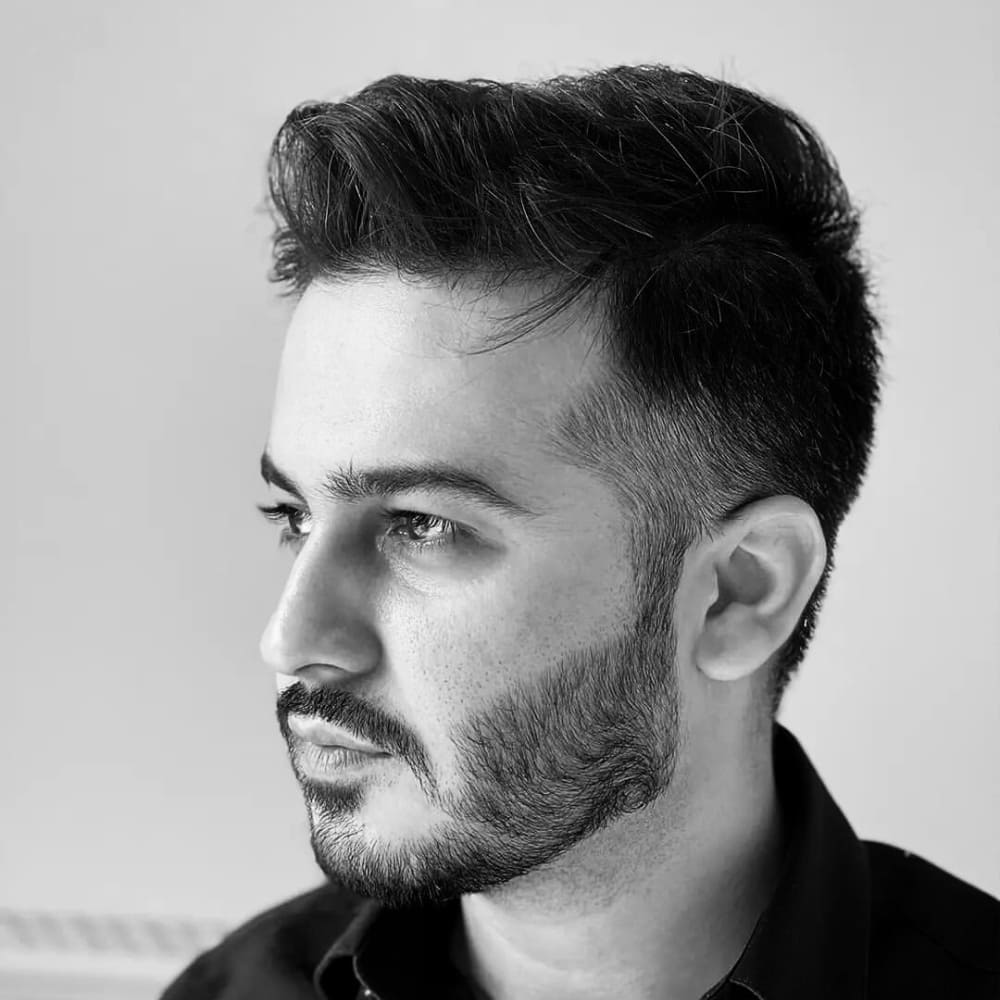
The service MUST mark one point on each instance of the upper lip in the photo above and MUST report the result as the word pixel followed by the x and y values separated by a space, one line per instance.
pixel 323 734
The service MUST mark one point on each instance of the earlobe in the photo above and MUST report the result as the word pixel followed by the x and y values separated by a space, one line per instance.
pixel 767 562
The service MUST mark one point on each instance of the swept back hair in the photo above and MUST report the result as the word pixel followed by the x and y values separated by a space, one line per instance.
pixel 705 229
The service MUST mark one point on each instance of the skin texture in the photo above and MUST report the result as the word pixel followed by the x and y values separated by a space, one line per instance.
pixel 602 801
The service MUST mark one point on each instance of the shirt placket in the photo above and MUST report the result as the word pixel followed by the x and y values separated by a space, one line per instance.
pixel 365 992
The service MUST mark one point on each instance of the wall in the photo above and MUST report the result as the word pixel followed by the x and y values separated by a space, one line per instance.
pixel 141 770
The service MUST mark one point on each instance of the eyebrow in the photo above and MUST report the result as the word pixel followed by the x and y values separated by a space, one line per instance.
pixel 441 479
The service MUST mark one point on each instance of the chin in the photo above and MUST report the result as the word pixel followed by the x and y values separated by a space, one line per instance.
pixel 405 872
pixel 396 877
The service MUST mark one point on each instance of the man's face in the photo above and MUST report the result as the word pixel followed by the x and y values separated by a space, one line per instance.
pixel 499 669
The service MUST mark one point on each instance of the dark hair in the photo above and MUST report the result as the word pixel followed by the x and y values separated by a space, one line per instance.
pixel 707 228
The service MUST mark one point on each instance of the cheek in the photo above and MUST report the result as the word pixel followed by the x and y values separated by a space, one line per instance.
pixel 444 670
pixel 451 658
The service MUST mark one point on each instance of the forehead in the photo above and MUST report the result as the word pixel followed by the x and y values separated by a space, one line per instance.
pixel 380 369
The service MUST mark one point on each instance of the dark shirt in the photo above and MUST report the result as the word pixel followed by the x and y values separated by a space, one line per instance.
pixel 849 919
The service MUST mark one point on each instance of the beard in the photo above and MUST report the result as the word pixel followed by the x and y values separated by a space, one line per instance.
pixel 541 768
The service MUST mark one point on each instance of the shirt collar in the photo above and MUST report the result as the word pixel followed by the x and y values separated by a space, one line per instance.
pixel 392 953
pixel 811 940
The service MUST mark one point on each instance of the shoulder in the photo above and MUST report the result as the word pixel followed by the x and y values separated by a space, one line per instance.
pixel 932 933
pixel 277 949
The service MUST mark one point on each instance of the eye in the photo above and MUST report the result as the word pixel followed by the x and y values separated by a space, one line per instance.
pixel 445 532
pixel 412 522
pixel 291 517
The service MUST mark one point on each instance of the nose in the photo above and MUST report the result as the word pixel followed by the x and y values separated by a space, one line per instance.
pixel 320 622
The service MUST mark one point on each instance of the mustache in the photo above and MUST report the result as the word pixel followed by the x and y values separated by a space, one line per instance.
pixel 342 709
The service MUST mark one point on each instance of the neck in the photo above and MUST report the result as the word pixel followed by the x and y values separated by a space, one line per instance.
pixel 662 902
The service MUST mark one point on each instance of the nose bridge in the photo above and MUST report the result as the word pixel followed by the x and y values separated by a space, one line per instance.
pixel 318 618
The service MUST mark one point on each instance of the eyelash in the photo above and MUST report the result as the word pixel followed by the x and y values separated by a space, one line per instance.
pixel 293 516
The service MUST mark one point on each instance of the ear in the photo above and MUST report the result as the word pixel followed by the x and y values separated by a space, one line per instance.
pixel 762 570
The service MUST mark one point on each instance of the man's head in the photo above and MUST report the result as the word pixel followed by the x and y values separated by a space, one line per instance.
pixel 677 421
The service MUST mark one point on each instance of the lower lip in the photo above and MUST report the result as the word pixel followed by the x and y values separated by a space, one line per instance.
pixel 320 761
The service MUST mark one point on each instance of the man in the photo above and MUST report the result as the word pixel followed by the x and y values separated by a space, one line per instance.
pixel 580 384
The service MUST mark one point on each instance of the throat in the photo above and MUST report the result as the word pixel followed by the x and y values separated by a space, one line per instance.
pixel 666 934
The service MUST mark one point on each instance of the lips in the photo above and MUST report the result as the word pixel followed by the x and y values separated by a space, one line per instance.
pixel 321 733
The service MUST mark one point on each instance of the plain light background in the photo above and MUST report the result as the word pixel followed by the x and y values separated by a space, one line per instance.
pixel 141 768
